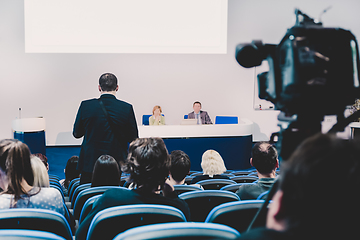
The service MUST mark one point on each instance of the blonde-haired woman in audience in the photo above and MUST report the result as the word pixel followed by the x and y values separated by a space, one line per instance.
pixel 212 165
pixel 17 180
pixel 41 176
pixel 157 118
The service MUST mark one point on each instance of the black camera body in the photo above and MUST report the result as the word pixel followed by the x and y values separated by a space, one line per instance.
pixel 313 72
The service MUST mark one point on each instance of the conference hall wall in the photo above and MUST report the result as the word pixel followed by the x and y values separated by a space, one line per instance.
pixel 52 85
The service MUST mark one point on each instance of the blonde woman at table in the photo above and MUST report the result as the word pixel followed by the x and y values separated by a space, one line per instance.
pixel 157 118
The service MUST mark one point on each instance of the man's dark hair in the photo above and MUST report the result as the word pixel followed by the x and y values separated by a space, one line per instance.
pixel 147 163
pixel 320 184
pixel 180 165
pixel 264 157
pixel 196 103
pixel 108 82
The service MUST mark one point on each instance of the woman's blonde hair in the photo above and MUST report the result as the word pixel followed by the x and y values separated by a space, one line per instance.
pixel 212 163
pixel 41 176
pixel 156 107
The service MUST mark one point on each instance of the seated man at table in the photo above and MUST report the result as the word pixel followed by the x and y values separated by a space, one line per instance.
pixel 201 116
pixel 147 164
pixel 265 160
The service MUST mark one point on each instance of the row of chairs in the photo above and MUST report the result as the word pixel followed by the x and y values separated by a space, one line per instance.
pixel 109 222
pixel 177 230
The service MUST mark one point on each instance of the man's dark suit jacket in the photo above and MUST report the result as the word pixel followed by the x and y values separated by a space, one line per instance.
pixel 92 124
pixel 205 119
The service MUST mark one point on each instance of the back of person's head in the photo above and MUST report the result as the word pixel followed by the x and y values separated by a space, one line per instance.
pixel 320 184
pixel 264 157
pixel 147 163
pixel 180 165
pixel 212 163
pixel 15 163
pixel 41 176
pixel 108 82
pixel 71 170
pixel 106 172
pixel 43 158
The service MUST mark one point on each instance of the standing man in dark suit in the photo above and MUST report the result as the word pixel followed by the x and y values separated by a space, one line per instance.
pixel 201 116
pixel 107 125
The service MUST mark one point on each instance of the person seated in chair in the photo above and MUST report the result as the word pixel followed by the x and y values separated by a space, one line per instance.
pixel 201 116
pixel 179 168
pixel 106 172
pixel 157 118
pixel 212 166
pixel 148 164
pixel 317 193
pixel 265 160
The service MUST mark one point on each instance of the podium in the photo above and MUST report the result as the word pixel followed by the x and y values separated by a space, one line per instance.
pixel 31 131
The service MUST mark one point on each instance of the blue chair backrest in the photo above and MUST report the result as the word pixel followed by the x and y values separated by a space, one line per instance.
pixel 35 219
pixel 180 230
pixel 129 216
pixel 226 120
pixel 22 234
pixel 186 116
pixel 145 119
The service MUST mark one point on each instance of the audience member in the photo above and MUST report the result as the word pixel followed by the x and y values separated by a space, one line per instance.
pixel 264 159
pixel 179 167
pixel 201 116
pixel 71 172
pixel 148 165
pixel 317 195
pixel 41 176
pixel 157 118
pixel 44 159
pixel 106 124
pixel 212 166
pixel 106 172
pixel 17 180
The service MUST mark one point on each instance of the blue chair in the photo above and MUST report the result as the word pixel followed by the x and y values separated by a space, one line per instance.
pixel 263 195
pixel 215 184
pixel 76 192
pixel 88 205
pixel 35 219
pixel 186 116
pixel 85 195
pixel 202 202
pixel 186 188
pixel 226 120
pixel 180 230
pixel 145 119
pixel 233 187
pixel 237 215
pixel 244 179
pixel 129 216
pixel 21 234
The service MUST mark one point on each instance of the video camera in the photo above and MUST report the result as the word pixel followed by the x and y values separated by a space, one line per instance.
pixel 313 72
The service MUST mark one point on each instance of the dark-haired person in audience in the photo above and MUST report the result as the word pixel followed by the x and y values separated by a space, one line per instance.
pixel 179 168
pixel 201 116
pixel 17 180
pixel 318 193
pixel 104 134
pixel 106 172
pixel 265 160
pixel 71 172
pixel 212 166
pixel 148 164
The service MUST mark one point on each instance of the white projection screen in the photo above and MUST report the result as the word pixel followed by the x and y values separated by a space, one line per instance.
pixel 126 26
